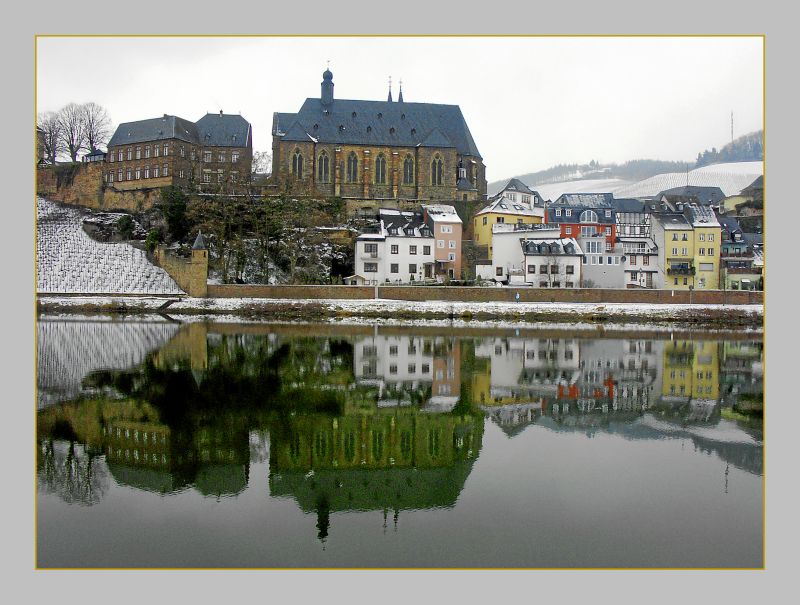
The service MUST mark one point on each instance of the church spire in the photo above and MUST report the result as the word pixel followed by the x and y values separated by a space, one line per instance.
pixel 400 96
pixel 390 90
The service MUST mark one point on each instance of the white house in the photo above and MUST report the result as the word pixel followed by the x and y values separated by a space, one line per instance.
pixel 402 251
pixel 507 258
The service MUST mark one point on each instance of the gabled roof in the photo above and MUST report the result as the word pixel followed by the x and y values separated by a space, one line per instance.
pixel 199 242
pixel 223 130
pixel 501 205
pixel 407 224
pixel 517 185
pixel 155 129
pixel 356 122
pixel 585 200
pixel 702 195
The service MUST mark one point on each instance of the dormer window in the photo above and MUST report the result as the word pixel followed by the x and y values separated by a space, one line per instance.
pixel 353 115
pixel 568 212
pixel 380 115
pixel 608 213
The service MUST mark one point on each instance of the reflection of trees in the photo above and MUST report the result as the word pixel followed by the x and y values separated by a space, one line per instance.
pixel 76 473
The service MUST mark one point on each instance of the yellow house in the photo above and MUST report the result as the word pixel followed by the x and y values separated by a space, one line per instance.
pixel 688 249
pixel 515 204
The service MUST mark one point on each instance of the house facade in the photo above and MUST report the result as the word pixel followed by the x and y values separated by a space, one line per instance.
pixel 376 150
pixel 515 204
pixel 688 249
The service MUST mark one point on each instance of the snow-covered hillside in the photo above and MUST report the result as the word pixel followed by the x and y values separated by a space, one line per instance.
pixel 69 261
pixel 552 191
pixel 731 178
pixel 68 351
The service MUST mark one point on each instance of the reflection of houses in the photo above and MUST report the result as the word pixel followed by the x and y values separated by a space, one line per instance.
pixel 691 369
pixel 521 376
pixel 742 374
pixel 410 370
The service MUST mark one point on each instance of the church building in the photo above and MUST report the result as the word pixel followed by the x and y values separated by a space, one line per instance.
pixel 376 150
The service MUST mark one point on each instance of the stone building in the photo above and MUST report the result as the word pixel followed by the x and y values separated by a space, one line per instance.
pixel 213 154
pixel 376 150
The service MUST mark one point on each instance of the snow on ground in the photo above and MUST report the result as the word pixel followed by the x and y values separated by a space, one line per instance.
pixel 69 350
pixel 731 178
pixel 552 191
pixel 68 260
pixel 509 310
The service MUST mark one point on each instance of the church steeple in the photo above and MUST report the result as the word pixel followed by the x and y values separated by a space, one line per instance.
pixel 390 90
pixel 400 96
pixel 326 96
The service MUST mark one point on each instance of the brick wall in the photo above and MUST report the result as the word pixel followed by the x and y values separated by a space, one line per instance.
pixel 573 295
pixel 464 294
pixel 298 292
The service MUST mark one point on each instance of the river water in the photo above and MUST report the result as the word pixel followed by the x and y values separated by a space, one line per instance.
pixel 162 444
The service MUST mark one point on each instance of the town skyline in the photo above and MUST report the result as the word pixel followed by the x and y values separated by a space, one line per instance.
pixel 720 75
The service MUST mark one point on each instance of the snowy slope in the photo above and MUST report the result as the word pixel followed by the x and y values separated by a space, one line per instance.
pixel 552 191
pixel 731 178
pixel 68 351
pixel 68 260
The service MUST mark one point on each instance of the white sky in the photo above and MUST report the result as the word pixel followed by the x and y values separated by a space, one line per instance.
pixel 530 103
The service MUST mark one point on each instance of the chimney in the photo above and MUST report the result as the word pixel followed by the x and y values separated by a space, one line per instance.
pixel 220 113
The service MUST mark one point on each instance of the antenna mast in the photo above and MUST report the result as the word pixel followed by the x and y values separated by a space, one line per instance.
pixel 731 127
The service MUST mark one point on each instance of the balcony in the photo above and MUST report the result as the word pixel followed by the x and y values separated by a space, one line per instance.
pixel 726 254
pixel 681 271
pixel 742 270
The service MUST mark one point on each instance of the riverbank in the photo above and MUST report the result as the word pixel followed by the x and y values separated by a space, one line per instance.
pixel 720 316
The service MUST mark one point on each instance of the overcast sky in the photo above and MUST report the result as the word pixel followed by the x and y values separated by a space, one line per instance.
pixel 530 103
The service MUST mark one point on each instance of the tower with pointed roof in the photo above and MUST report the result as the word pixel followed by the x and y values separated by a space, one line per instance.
pixel 376 151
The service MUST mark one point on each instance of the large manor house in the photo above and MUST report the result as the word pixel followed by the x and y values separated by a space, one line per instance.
pixel 376 150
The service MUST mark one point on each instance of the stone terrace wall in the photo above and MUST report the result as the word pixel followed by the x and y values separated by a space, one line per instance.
pixel 86 188
pixel 465 294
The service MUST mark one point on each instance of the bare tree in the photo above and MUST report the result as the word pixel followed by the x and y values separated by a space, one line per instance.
pixel 262 163
pixel 50 135
pixel 73 130
pixel 96 124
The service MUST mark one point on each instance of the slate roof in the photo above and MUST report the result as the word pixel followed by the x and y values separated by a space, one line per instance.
pixel 199 242
pixel 702 216
pixel 575 214
pixel 155 129
pixel 629 205
pixel 213 129
pixel 408 224
pixel 378 123
pixel 550 247
pixel 223 130
pixel 586 200
pixel 517 185
pixel 703 195
pixel 754 239
pixel 501 205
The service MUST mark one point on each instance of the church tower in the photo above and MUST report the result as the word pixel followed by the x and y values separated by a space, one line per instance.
pixel 326 97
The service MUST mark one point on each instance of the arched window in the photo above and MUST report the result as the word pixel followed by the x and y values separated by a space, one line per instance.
pixel 588 216
pixel 352 168
pixel 297 164
pixel 380 169
pixel 408 170
pixel 436 170
pixel 323 168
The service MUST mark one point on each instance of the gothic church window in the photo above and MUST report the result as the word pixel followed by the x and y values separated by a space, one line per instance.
pixel 297 164
pixel 380 169
pixel 408 170
pixel 436 170
pixel 323 168
pixel 352 168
